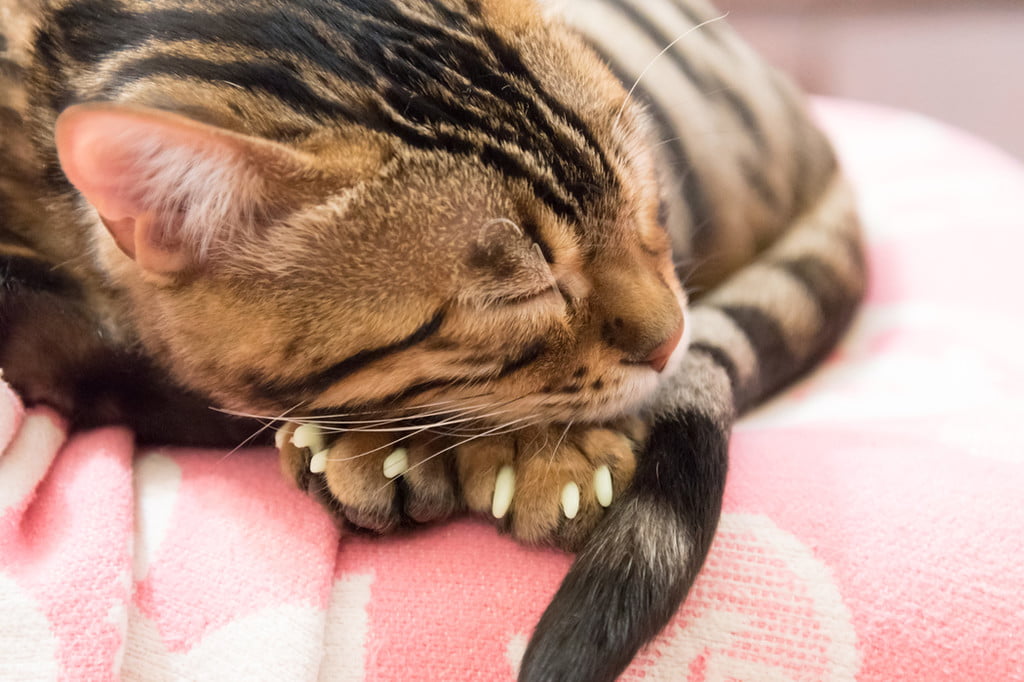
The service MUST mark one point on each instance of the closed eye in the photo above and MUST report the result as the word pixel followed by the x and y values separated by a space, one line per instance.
pixel 520 299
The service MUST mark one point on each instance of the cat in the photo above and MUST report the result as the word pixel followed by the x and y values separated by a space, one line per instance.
pixel 456 230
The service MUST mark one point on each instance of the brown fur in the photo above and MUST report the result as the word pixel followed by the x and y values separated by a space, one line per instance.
pixel 440 224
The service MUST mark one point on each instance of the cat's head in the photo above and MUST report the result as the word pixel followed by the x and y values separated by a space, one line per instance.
pixel 497 246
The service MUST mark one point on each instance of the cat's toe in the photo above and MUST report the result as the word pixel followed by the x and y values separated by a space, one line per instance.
pixel 555 501
pixel 429 486
pixel 551 485
pixel 371 481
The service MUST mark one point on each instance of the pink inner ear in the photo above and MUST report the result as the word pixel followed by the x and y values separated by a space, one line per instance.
pixel 123 232
pixel 98 149
pixel 123 163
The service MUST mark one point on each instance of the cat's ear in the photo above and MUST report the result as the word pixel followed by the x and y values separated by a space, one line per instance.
pixel 171 190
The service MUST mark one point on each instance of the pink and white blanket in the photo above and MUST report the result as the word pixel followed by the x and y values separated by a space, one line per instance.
pixel 873 525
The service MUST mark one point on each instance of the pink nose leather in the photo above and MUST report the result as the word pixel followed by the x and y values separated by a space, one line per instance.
pixel 658 357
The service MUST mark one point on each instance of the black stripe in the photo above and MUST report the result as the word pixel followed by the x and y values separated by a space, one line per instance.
pixel 321 380
pixel 721 358
pixel 92 30
pixel 498 158
pixel 710 85
pixel 19 272
pixel 753 174
pixel 510 59
pixel 45 48
pixel 744 113
pixel 685 466
pixel 511 63
pixel 10 119
pixel 419 388
pixel 397 398
pixel 682 169
pixel 434 94
pixel 525 357
pixel 660 39
pixel 435 114
pixel 11 70
pixel 686 9
pixel 820 281
pixel 255 76
pixel 776 363
pixel 835 302
pixel 814 162
pixel 53 175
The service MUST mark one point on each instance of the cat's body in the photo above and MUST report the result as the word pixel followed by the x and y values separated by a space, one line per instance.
pixel 446 211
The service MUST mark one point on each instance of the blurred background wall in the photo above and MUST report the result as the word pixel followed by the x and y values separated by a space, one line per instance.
pixel 959 61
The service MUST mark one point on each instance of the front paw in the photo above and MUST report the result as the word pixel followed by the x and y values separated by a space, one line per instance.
pixel 549 485
pixel 372 481
pixel 544 485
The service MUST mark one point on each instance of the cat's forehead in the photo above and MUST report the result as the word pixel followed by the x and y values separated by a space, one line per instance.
pixel 485 80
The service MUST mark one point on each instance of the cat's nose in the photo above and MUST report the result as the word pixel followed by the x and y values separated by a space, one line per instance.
pixel 658 358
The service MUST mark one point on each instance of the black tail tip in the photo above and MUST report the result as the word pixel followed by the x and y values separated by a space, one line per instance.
pixel 620 592
pixel 639 563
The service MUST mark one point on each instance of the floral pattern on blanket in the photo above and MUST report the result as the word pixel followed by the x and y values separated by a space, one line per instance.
pixel 873 525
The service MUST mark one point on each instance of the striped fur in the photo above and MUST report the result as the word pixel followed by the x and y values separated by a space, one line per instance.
pixel 376 206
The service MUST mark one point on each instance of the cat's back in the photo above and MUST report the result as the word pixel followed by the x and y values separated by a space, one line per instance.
pixel 20 166
pixel 740 157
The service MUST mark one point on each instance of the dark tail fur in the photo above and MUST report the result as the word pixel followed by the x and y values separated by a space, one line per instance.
pixel 631 577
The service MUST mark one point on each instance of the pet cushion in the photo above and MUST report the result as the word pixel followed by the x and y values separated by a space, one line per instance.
pixel 873 526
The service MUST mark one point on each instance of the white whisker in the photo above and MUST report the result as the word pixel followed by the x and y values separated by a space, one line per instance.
pixel 461 433
pixel 457 411
pixel 317 418
pixel 261 417
pixel 266 425
pixel 629 95
pixel 405 436
pixel 490 432
pixel 458 419
pixel 406 408
pixel 561 438
pixel 389 444
pixel 558 444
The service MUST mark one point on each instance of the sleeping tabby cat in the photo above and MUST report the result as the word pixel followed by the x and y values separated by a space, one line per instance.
pixel 444 224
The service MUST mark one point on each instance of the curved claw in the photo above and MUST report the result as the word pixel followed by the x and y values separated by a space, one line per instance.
pixel 504 488
pixel 396 464
pixel 603 485
pixel 571 500
pixel 318 462
pixel 283 435
pixel 308 436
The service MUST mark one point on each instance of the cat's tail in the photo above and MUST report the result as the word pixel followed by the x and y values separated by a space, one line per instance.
pixel 642 559
pixel 759 330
